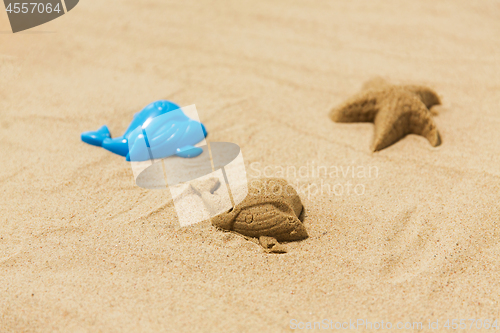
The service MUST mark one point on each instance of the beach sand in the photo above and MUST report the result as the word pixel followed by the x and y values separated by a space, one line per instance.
pixel 83 249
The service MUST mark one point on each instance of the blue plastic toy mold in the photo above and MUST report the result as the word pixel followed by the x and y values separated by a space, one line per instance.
pixel 159 130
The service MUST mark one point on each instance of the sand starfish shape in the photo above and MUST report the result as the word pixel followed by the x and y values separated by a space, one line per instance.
pixel 396 112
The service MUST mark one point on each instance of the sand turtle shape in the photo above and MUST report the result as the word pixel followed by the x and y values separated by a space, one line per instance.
pixel 270 212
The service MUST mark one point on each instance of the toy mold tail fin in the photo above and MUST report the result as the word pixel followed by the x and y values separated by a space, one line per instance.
pixel 96 138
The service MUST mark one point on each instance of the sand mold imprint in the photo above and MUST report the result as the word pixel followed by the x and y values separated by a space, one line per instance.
pixel 395 110
pixel 270 212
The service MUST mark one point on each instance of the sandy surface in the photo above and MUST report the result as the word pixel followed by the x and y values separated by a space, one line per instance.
pixel 82 249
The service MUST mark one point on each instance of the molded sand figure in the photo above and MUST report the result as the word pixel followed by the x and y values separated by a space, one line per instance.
pixel 270 212
pixel 396 112
pixel 169 132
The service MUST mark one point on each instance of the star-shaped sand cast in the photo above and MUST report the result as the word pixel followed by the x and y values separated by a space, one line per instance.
pixel 396 112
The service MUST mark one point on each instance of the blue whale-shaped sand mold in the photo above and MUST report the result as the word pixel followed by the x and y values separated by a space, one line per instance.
pixel 159 130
